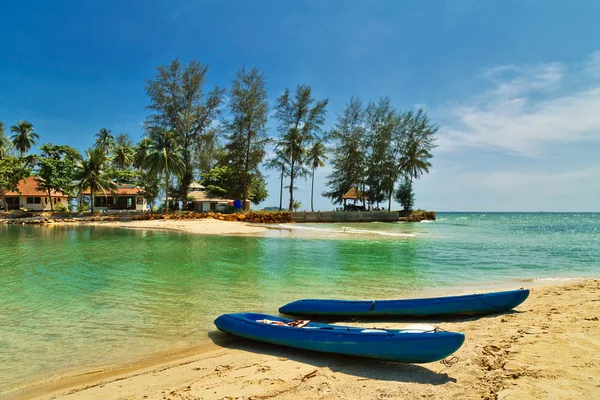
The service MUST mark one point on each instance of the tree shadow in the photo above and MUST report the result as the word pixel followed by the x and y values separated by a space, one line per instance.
pixel 356 366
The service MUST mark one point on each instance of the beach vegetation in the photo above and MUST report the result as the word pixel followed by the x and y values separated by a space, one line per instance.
pixel 24 136
pixel 279 163
pixel 349 150
pixel 164 158
pixel 180 105
pixel 91 173
pixel 55 169
pixel 376 147
pixel 12 171
pixel 316 159
pixel 246 133
pixel 300 118
pixel 5 143
pixel 104 140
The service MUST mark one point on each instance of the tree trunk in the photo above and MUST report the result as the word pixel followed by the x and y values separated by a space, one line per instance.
pixel 408 205
pixel 50 200
pixel 390 200
pixel 92 198
pixel 4 201
pixel 281 188
pixel 291 185
pixel 166 207
pixel 312 191
pixel 249 136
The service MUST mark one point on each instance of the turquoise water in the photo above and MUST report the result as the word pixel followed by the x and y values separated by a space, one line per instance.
pixel 75 299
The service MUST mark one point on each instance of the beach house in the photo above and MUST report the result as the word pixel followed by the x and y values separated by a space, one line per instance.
pixel 123 198
pixel 29 197
pixel 204 201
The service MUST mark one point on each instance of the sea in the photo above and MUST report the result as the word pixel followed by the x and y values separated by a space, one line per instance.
pixel 76 299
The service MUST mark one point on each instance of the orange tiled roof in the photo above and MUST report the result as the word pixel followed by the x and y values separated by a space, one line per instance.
pixel 28 187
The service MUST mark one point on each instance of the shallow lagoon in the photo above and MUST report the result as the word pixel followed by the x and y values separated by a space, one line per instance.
pixel 76 299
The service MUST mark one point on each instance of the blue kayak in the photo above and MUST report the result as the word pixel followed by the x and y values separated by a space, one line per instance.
pixel 472 304
pixel 410 345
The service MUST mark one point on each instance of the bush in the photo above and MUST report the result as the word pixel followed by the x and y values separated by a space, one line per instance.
pixel 61 208
pixel 83 207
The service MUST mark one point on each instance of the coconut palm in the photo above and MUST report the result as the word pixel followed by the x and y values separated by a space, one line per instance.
pixel 91 173
pixel 414 162
pixel 140 153
pixel 315 157
pixel 104 140
pixel 279 163
pixel 5 143
pixel 24 136
pixel 123 153
pixel 164 157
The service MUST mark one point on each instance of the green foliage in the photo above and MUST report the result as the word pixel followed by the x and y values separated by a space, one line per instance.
pixel 24 136
pixel 279 162
pixel 60 207
pixel 377 145
pixel 91 173
pixel 123 153
pixel 216 190
pixel 257 191
pixel 246 129
pixel 164 158
pixel 5 144
pixel 83 207
pixel 383 129
pixel 299 123
pixel 104 141
pixel 315 159
pixel 55 169
pixel 297 205
pixel 405 195
pixel 349 151
pixel 148 184
pixel 178 104
pixel 12 171
pixel 122 176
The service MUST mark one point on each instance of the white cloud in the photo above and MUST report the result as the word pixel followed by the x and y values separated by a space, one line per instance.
pixel 528 109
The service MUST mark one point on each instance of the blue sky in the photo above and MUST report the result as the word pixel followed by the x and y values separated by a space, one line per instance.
pixel 514 85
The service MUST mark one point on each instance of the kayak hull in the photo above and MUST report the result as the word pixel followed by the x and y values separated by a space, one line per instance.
pixel 389 345
pixel 472 304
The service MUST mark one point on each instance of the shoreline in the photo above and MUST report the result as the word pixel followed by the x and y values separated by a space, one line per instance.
pixel 504 352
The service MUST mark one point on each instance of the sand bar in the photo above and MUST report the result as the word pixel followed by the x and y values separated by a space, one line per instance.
pixel 549 347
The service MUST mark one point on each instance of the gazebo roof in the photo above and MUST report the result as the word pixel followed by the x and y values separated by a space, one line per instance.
pixel 194 186
pixel 352 194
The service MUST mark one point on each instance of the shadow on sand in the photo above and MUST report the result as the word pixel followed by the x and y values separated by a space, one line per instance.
pixel 360 367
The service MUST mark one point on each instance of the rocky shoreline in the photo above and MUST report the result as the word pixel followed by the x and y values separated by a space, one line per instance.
pixel 41 218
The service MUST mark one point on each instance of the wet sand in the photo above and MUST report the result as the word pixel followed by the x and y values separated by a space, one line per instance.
pixel 548 347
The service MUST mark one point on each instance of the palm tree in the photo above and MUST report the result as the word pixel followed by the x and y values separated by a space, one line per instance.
pixel 279 163
pixel 316 156
pixel 5 144
pixel 164 157
pixel 24 136
pixel 123 153
pixel 140 153
pixel 104 140
pixel 91 173
pixel 414 162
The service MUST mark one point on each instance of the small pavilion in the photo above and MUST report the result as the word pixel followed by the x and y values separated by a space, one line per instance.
pixel 352 194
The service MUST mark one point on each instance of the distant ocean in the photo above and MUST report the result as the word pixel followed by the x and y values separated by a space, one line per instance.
pixel 75 299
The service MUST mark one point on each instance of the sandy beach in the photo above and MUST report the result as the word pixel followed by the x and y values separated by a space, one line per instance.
pixel 207 226
pixel 549 347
